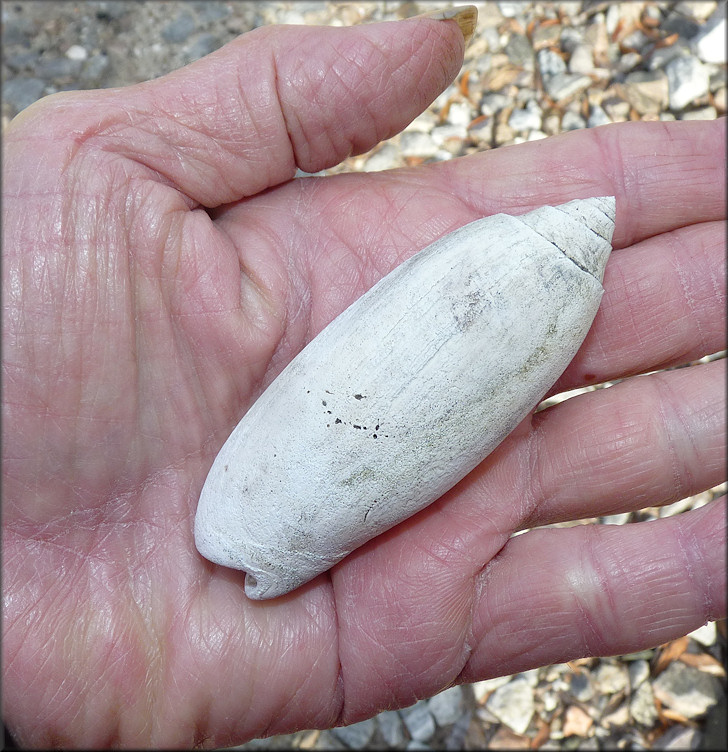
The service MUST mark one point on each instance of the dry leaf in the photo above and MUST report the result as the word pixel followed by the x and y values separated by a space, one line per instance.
pixel 673 715
pixel 542 735
pixel 670 652
pixel 704 662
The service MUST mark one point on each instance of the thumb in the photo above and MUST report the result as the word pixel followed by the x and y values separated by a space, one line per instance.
pixel 279 97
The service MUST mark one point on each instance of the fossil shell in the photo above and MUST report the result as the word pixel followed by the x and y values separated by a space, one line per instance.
pixel 404 393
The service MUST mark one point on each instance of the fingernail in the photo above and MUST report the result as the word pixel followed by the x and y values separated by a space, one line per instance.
pixel 466 17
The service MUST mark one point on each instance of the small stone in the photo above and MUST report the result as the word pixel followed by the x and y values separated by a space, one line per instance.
pixel 618 717
pixel 572 121
pixel 481 131
pixel 565 85
pixel 527 119
pixel 629 61
pixel 702 113
pixel 482 689
pixel 447 706
pixel 709 44
pixel 417 744
pixel 460 114
pixel 492 103
pixel 76 52
pixel 704 635
pixel 456 738
pixel 414 144
pixel 639 672
pixel 94 68
pixel 663 55
pixel 611 678
pixel 577 722
pixel 581 687
pixel 22 92
pixel 598 117
pixel 678 738
pixel 546 35
pixel 513 704
pixel 179 29
pixel 520 51
pixel 646 91
pixel 391 727
pixel 550 63
pixel 419 721
pixel 687 690
pixel 642 705
pixel 582 59
pixel 358 735
pixel 385 158
pixel 688 80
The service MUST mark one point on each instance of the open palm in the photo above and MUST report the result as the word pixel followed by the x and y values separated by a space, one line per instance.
pixel 161 267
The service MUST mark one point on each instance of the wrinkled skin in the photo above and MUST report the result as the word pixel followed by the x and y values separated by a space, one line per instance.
pixel 161 267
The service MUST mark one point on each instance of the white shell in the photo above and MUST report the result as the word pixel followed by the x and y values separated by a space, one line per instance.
pixel 404 393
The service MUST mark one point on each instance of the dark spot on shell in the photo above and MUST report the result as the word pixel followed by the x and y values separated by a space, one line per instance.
pixel 359 396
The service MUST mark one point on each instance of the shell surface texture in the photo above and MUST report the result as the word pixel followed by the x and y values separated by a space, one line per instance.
pixel 404 393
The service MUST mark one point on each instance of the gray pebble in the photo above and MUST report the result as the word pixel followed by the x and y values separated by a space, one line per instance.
pixel 22 92
pixel 447 706
pixel 358 735
pixel 456 738
pixel 179 29
pixel 527 119
pixel 519 51
pixel 710 44
pixel 419 721
pixel 385 158
pixel 639 671
pixel 582 59
pixel 678 738
pixel 550 63
pixel 493 102
pixel 414 144
pixel 687 690
pixel 94 68
pixel 646 91
pixel 581 687
pixel 688 80
pixel 513 704
pixel 565 85
pixel 58 67
pixel 611 678
pixel 572 121
pixel 642 705
pixel 391 727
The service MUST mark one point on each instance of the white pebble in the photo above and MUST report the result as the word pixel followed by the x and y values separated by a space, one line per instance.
pixel 76 52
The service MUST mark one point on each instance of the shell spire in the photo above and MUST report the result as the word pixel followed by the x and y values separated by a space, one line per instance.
pixel 586 236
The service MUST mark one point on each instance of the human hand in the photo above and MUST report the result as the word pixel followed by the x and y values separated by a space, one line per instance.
pixel 161 267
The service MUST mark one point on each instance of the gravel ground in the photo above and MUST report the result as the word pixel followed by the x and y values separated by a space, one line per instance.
pixel 531 71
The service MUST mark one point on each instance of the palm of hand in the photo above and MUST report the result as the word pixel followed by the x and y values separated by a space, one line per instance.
pixel 139 328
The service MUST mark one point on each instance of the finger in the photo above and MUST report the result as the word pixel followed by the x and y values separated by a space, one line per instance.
pixel 559 594
pixel 647 441
pixel 664 175
pixel 664 305
pixel 279 97
pixel 366 225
